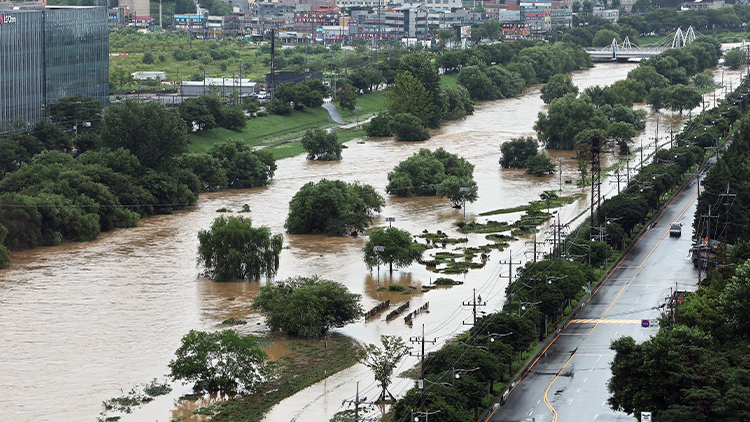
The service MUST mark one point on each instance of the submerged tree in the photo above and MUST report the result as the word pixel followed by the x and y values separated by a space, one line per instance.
pixel 398 248
pixel 234 250
pixel 220 361
pixel 307 306
pixel 321 146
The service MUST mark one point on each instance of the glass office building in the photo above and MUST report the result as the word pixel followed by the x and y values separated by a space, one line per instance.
pixel 49 53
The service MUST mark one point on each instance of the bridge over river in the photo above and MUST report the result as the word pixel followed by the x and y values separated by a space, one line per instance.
pixel 626 50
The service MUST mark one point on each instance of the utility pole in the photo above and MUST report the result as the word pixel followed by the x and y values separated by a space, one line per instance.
pixel 708 218
pixel 474 305
pixel 510 272
pixel 595 176
pixel 559 163
pixel 272 89
pixel 421 356
pixel 726 211
pixel 356 402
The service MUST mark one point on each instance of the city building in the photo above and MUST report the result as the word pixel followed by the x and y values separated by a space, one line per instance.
pixel 224 87
pixel 50 53
pixel 136 7
pixel 702 5
pixel 610 15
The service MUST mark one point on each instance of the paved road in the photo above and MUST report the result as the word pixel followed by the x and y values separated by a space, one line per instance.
pixel 568 383
pixel 333 112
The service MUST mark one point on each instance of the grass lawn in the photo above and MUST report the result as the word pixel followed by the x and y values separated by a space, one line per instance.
pixel 449 80
pixel 307 363
pixel 371 104
pixel 264 130
pixel 292 149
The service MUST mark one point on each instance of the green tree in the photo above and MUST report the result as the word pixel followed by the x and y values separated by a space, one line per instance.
pixel 540 165
pixel 409 96
pixel 220 361
pixel 604 37
pixel 680 97
pixel 321 146
pixel 243 167
pixel 235 250
pixel 346 96
pixel 557 86
pixel 278 107
pixel 399 249
pixel 453 189
pixel 307 306
pixel 77 109
pixel 459 102
pixel 408 128
pixel 150 131
pixel 704 80
pixel 421 173
pixel 4 252
pixel 734 58
pixel 148 58
pixel 383 362
pixel 379 125
pixel 515 152
pixel 234 118
pixel 565 118
pixel 332 207
pixel 476 82
pixel 418 64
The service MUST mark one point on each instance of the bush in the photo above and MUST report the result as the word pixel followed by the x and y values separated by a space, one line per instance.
pixel 408 128
pixel 380 125
pixel 278 107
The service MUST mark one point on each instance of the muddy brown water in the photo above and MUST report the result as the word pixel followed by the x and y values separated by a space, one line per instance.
pixel 84 322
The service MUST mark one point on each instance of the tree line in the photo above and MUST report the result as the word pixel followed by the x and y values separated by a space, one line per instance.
pixel 124 164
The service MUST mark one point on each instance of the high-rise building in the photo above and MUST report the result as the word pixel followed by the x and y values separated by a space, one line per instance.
pixel 49 53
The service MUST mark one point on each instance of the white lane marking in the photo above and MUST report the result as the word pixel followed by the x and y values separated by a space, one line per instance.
pixel 604 402
pixel 530 412
pixel 597 415
pixel 537 402
pixel 584 380
pixel 578 390
pixel 571 401
pixel 600 356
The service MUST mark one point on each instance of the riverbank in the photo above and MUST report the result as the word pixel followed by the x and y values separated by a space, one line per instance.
pixel 302 363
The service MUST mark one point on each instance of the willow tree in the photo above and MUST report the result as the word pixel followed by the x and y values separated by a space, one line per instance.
pixel 235 250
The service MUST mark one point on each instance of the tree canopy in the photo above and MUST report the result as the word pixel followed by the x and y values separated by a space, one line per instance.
pixel 420 174
pixel 557 86
pixel 150 131
pixel 332 207
pixel 220 361
pixel 321 146
pixel 235 250
pixel 408 128
pixel 515 152
pixel 398 248
pixel 307 306
pixel 383 361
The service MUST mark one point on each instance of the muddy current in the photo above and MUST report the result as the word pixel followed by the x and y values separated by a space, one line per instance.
pixel 84 322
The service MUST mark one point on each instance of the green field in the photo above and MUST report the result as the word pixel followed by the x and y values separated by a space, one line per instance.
pixel 449 80
pixel 265 130
pixel 371 104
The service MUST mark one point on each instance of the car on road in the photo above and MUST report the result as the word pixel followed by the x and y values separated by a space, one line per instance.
pixel 675 229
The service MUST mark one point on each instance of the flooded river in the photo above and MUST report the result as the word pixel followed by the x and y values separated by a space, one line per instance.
pixel 84 322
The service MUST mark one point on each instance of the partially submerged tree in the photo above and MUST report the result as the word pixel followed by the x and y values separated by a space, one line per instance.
pixel 321 146
pixel 516 151
pixel 307 306
pixel 234 250
pixel 399 249
pixel 458 190
pixel 332 207
pixel 220 361
pixel 383 362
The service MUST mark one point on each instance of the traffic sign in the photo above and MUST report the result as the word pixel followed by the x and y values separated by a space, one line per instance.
pixel 645 323
pixel 646 417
